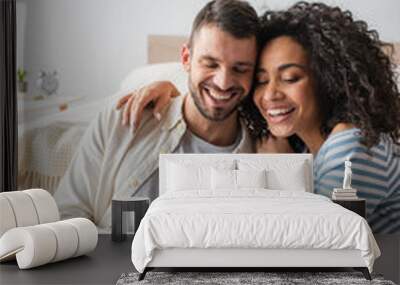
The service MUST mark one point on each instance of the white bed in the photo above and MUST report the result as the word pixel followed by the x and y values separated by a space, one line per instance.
pixel 191 225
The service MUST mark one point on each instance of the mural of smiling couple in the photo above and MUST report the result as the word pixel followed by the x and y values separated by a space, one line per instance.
pixel 311 78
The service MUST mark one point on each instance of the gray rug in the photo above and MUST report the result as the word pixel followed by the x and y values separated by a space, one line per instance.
pixel 269 278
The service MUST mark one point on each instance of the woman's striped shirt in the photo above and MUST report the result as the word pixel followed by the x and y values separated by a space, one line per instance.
pixel 376 175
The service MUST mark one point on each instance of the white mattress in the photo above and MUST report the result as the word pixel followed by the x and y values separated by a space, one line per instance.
pixel 253 218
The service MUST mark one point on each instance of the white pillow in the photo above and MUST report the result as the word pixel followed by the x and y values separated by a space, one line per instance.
pixel 281 175
pixel 193 174
pixel 181 177
pixel 225 179
pixel 291 180
pixel 141 76
pixel 251 178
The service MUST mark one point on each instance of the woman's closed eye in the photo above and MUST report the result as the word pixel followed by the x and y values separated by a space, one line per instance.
pixel 262 82
pixel 261 79
pixel 291 79
pixel 286 78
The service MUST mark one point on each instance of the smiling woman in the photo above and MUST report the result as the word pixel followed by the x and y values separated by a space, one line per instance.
pixel 351 76
pixel 324 78
pixel 284 91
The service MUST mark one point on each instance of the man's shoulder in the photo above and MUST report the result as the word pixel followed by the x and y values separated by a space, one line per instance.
pixel 112 118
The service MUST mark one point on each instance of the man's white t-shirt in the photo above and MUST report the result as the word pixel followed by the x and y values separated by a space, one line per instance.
pixel 190 143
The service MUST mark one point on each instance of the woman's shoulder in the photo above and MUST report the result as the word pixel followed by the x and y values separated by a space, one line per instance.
pixel 341 141
pixel 340 127
pixel 348 144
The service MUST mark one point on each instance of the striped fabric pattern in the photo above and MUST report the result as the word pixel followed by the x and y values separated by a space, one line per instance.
pixel 376 176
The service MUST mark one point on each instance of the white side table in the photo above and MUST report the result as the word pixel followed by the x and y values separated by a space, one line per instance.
pixel 31 109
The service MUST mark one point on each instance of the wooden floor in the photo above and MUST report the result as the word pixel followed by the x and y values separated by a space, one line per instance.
pixel 106 264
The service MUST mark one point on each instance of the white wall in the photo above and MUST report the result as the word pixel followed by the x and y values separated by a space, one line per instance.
pixel 94 43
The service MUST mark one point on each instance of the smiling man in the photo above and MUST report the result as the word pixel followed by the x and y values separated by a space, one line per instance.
pixel 220 60
pixel 220 67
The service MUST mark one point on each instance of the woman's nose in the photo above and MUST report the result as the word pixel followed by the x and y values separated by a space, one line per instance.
pixel 272 92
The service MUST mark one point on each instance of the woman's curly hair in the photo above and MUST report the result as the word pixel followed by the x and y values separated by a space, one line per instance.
pixel 355 82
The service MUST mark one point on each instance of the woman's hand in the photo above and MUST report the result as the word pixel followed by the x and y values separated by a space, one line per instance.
pixel 157 94
pixel 273 144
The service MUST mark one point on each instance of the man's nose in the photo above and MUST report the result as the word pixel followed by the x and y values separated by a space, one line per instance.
pixel 223 79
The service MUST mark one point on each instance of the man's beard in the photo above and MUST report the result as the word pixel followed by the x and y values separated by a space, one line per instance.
pixel 216 114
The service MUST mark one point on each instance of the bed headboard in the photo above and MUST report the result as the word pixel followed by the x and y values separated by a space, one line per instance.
pixel 161 48
pixel 396 53
pixel 165 48
pixel 208 159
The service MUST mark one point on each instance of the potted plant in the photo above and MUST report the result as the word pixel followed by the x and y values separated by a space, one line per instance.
pixel 22 83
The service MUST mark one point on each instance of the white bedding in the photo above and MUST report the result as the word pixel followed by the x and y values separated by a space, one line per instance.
pixel 252 218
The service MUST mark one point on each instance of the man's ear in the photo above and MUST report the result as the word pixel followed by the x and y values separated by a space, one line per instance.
pixel 185 57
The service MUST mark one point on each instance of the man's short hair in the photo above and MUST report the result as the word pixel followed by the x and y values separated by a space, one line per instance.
pixel 235 17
